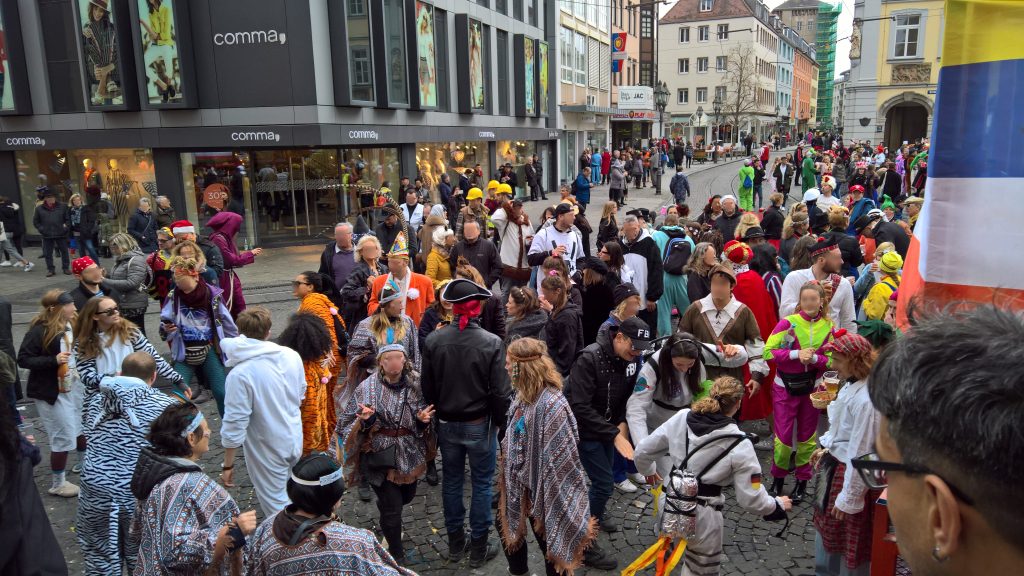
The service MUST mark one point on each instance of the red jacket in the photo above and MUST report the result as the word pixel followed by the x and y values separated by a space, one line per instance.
pixel 606 163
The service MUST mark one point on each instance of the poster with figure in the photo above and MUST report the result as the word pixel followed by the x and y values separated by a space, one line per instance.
pixel 158 38
pixel 102 60
pixel 530 86
pixel 542 59
pixel 6 96
pixel 426 54
pixel 476 65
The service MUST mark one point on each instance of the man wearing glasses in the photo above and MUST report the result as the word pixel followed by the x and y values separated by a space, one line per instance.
pixel 90 277
pixel 950 448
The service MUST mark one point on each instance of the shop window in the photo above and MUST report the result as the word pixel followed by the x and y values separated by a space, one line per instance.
pixel 360 51
pixel 61 50
pixel 115 176
pixel 395 49
pixel 516 153
pixel 453 158
pixel 503 95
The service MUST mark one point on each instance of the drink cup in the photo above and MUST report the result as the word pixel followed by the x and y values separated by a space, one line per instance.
pixel 831 380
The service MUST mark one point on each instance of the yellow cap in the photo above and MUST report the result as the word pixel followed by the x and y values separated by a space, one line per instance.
pixel 492 184
pixel 504 188
pixel 474 194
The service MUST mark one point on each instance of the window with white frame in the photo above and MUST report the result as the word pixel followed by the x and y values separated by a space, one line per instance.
pixel 702 95
pixel 703 33
pixel 565 5
pixel 706 5
pixel 684 65
pixel 361 73
pixel 723 31
pixel 566 57
pixel 908 34
pixel 683 96
pixel 721 63
pixel 684 35
pixel 720 93
pixel 581 59
pixel 702 64
pixel 356 8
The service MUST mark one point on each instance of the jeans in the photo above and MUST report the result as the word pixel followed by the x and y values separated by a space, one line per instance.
pixel 51 244
pixel 391 498
pixel 507 284
pixel 598 460
pixel 213 372
pixel 6 247
pixel 478 442
pixel 621 467
pixel 757 193
pixel 87 247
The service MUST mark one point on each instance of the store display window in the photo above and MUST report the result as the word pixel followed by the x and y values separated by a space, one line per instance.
pixel 436 158
pixel 516 153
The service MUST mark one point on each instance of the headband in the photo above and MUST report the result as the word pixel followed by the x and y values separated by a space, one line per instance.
pixel 192 425
pixel 525 358
pixel 322 481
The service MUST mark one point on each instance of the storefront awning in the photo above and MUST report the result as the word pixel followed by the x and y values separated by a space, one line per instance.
pixel 583 109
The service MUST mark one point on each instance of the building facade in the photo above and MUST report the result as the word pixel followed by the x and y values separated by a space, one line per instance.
pixel 805 84
pixel 817 22
pixel 288 113
pixel 706 47
pixel 894 56
pixel 839 101
pixel 634 123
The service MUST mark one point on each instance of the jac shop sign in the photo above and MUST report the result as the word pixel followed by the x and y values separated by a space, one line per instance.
pixel 636 98
pixel 635 115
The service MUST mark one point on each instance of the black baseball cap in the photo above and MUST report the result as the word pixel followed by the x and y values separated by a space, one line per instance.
pixel 562 208
pixel 638 332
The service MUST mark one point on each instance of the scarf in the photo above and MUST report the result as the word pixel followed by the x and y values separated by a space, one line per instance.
pixel 466 311
pixel 198 298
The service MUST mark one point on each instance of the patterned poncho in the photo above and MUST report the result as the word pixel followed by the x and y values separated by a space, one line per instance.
pixel 335 549
pixel 542 480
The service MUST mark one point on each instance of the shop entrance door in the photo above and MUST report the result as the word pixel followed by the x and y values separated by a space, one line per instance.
pixel 295 194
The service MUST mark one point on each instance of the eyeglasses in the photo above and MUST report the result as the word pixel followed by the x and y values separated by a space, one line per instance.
pixel 296 283
pixel 164 240
pixel 109 311
pixel 874 471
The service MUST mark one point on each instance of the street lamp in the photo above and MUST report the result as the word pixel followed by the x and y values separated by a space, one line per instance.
pixel 661 100
pixel 717 107
pixel 700 114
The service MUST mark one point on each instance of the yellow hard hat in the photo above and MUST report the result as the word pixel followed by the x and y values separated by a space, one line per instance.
pixel 474 194
pixel 504 188
pixel 492 184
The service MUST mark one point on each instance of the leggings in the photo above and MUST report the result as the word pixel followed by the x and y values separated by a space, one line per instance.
pixel 213 372
pixel 517 560
pixel 391 498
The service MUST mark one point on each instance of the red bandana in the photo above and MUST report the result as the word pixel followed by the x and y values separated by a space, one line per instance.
pixel 466 311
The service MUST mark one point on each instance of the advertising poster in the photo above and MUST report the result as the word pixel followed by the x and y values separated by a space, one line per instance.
pixel 160 54
pixel 6 96
pixel 530 87
pixel 542 57
pixel 425 53
pixel 99 46
pixel 476 64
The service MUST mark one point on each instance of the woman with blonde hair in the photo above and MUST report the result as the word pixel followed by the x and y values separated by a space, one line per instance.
pixel 838 221
pixel 608 226
pixel 798 346
pixel 541 482
pixel 189 249
pixel 747 220
pixel 355 295
pixel 706 438
pixel 794 228
pixel 129 277
pixel 53 383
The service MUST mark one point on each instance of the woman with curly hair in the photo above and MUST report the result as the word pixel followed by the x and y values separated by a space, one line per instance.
pixel 698 271
pixel 541 482
pixel 307 335
pixel 308 287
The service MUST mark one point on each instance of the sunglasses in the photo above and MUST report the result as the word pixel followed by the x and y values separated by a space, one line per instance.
pixel 109 311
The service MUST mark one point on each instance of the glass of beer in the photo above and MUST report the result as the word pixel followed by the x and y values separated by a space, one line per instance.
pixel 831 380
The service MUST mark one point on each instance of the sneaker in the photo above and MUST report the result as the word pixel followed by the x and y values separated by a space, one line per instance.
pixel 28 267
pixel 65 490
pixel 5 264
pixel 637 478
pixel 595 557
pixel 626 486
pixel 77 468
pixel 765 445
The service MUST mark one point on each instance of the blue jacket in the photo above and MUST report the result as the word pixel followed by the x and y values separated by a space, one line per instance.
pixel 680 187
pixel 582 189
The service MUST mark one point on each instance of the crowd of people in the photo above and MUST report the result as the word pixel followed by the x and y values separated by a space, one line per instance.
pixel 557 369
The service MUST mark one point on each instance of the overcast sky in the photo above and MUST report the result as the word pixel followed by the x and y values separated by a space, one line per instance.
pixel 845 29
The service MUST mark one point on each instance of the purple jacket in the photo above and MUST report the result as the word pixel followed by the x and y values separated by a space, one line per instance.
pixel 225 226
pixel 223 324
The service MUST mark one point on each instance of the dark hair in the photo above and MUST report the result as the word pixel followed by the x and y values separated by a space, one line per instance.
pixel 715 238
pixel 766 259
pixel 615 258
pixel 319 500
pixel 948 385
pixel 307 335
pixel 165 432
pixel 315 280
pixel 679 345
pixel 707 207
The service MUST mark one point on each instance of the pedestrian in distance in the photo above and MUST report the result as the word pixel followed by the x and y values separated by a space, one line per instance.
pixel 51 220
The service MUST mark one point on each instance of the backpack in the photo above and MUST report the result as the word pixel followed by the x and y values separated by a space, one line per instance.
pixel 677 254
pixel 573 187
pixel 747 182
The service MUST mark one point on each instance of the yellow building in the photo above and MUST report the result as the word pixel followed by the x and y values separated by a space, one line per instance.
pixel 894 53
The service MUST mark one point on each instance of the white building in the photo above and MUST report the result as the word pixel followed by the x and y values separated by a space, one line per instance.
pixel 839 100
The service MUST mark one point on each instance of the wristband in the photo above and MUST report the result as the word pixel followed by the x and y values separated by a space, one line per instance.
pixel 236 536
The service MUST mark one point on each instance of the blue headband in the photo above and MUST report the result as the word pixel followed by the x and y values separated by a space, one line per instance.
pixel 322 481
pixel 192 425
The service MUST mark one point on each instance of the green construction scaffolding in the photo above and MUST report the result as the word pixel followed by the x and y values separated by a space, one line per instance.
pixel 825 45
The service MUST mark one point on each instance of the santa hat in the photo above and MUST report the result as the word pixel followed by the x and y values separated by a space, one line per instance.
pixel 183 227
pixel 738 252
pixel 80 264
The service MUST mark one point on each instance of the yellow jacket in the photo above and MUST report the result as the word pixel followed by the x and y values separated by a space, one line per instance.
pixel 438 267
pixel 877 301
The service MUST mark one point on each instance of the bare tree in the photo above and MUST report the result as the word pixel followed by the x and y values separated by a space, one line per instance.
pixel 741 84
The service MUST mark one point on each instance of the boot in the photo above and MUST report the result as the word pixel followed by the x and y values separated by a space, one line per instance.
pixel 365 493
pixel 431 476
pixel 596 558
pixel 456 547
pixel 481 550
pixel 778 484
pixel 799 492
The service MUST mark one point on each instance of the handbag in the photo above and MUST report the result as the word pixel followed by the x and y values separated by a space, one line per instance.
pixel 799 383
pixel 826 474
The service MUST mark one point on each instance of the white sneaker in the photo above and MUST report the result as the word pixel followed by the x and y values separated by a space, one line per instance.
pixel 626 486
pixel 5 264
pixel 637 478
pixel 65 490
pixel 30 266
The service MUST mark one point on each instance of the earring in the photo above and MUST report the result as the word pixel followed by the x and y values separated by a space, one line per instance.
pixel 939 558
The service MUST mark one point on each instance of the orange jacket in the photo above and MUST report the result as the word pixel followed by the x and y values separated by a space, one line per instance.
pixel 414 308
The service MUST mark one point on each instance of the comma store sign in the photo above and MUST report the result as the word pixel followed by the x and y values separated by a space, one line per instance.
pixel 249 37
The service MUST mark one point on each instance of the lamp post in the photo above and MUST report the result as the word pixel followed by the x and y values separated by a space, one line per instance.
pixel 717 108
pixel 661 101
pixel 700 114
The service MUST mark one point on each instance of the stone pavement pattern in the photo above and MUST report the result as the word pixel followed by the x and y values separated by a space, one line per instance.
pixel 749 547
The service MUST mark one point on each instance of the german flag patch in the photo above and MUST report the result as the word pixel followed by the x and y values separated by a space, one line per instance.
pixel 755 481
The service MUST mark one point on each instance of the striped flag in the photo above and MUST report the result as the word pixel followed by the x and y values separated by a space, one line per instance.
pixel 969 238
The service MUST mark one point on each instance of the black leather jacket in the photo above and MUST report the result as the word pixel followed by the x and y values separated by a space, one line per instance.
pixel 597 389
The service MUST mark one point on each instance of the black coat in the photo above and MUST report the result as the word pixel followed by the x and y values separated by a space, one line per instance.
pixel 783 183
pixel 598 387
pixel 697 286
pixel 40 359
pixel 850 249
pixel 464 374
pixel 88 225
pixel 564 337
pixel 355 295
pixel 27 543
pixel 81 296
pixel 51 223
pixel 772 223
pixel 7 340
pixel 387 236
pixel 530 326
pixel 492 317
pixel 12 219
pixel 607 231
pixel 598 301
pixel 892 232
pixel 482 254
pixel 727 224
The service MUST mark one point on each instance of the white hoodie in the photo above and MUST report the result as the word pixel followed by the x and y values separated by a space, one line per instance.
pixel 263 393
